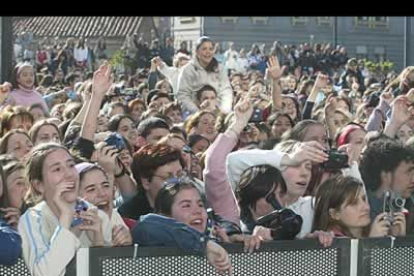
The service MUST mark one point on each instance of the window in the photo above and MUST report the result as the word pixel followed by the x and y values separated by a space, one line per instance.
pixel 371 22
pixel 187 19
pixel 379 53
pixel 229 19
pixel 361 52
pixel 260 20
pixel 380 22
pixel 324 20
pixel 299 20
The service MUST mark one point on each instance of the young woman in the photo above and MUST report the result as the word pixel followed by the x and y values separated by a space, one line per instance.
pixel 202 123
pixel 96 188
pixel 280 123
pixel 16 187
pixel 204 69
pixel 10 240
pixel 38 112
pixel 23 81
pixel 15 117
pixel 17 143
pixel 136 108
pixel 44 131
pixel 59 224
pixel 124 125
pixel 258 185
pixel 341 206
pixel 180 221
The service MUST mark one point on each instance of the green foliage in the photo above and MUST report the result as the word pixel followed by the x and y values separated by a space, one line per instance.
pixel 383 67
pixel 118 58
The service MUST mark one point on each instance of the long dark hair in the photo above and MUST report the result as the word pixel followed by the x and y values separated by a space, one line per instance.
pixel 332 194
pixel 166 196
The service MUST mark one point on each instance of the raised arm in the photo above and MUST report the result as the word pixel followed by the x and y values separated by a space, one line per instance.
pixel 219 192
pixel 225 95
pixel 100 85
pixel 275 72
pixel 379 114
pixel 401 113
pixel 238 162
pixel 321 81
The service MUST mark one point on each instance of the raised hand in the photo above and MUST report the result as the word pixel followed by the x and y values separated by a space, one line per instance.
pixel 401 110
pixel 106 156
pixel 330 106
pixel 11 215
pixel 102 80
pixel 66 210
pixel 386 97
pixel 312 151
pixel 242 113
pixel 273 68
pixel 5 89
pixel 398 227
pixel 321 81
pixel 380 227
pixel 92 224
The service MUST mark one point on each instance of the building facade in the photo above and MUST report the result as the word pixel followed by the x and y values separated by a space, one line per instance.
pixel 375 38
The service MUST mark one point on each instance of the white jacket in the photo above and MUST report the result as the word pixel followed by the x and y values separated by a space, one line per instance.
pixel 239 161
pixel 193 77
pixel 172 74
pixel 47 246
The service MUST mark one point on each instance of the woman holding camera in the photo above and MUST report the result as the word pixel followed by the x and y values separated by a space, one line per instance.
pixel 341 206
pixel 50 231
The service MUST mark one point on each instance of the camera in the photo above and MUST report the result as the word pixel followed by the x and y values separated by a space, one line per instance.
pixel 216 220
pixel 80 206
pixel 257 116
pixel 285 224
pixel 392 204
pixel 337 160
pixel 115 139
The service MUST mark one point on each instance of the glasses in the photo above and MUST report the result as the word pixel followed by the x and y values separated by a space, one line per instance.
pixel 170 178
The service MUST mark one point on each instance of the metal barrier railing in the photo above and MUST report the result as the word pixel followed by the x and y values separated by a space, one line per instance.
pixel 382 256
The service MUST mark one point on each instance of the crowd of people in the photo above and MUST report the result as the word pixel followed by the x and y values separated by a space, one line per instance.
pixel 195 151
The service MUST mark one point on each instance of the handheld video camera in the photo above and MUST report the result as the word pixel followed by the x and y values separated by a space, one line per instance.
pixel 215 220
pixel 257 117
pixel 392 204
pixel 337 160
pixel 285 224
pixel 80 206
pixel 115 139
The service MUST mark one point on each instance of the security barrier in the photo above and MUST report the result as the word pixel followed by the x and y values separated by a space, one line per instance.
pixel 364 257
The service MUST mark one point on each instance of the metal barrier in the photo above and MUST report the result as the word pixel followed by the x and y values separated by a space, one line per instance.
pixel 300 257
pixel 386 256
pixel 381 256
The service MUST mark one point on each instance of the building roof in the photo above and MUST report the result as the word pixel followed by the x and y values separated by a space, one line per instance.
pixel 77 26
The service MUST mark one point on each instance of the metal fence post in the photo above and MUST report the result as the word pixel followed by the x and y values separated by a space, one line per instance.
pixel 353 270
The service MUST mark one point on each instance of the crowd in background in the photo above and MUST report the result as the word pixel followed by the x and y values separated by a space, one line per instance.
pixel 165 147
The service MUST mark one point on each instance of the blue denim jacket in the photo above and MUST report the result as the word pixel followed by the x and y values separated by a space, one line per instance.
pixel 157 230
pixel 10 243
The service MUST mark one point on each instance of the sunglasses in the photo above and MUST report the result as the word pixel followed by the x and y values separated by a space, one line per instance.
pixel 250 174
